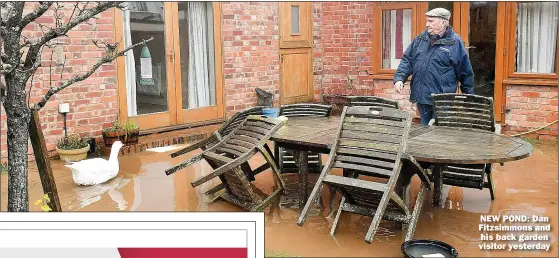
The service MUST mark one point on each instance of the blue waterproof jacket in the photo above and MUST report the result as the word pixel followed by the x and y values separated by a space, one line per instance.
pixel 437 68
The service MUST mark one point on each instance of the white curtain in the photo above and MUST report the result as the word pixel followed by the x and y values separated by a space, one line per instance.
pixel 536 37
pixel 130 65
pixel 200 58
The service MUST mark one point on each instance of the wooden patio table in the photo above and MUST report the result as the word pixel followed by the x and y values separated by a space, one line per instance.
pixel 427 144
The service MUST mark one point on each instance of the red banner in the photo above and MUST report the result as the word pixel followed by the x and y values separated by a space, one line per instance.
pixel 182 252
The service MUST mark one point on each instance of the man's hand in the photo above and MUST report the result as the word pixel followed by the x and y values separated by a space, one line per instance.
pixel 398 86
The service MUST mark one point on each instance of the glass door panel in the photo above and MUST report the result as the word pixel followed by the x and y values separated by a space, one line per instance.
pixel 198 93
pixel 148 69
pixel 482 44
pixel 146 66
pixel 196 39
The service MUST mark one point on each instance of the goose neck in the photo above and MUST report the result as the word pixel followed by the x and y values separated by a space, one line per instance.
pixel 114 154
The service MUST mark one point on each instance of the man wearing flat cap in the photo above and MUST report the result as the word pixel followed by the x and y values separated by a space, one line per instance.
pixel 437 60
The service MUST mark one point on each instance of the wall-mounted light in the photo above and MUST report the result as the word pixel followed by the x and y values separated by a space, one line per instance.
pixel 64 108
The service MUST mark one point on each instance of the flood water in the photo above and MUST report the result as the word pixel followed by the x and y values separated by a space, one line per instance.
pixel 525 187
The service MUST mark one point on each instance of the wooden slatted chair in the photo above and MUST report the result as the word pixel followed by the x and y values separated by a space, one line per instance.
pixel 371 101
pixel 229 155
pixel 466 111
pixel 285 159
pixel 231 124
pixel 222 132
pixel 372 141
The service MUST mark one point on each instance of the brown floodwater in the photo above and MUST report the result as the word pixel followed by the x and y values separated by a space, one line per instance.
pixel 525 187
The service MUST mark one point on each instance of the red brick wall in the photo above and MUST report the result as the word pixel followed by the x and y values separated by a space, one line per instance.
pixel 345 39
pixel 345 49
pixel 532 107
pixel 90 107
pixel 318 64
pixel 250 52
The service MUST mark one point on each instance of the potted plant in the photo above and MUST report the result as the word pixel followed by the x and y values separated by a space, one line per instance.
pixel 132 132
pixel 72 147
pixel 127 132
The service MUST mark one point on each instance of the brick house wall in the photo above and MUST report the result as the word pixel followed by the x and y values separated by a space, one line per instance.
pixel 91 107
pixel 250 52
pixel 342 36
pixel 532 107
pixel 346 33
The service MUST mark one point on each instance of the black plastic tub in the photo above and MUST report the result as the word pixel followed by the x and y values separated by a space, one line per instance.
pixel 92 146
pixel 420 248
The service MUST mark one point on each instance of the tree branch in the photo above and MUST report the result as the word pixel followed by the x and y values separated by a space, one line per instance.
pixel 107 59
pixel 57 32
pixel 36 13
pixel 26 42
pixel 10 14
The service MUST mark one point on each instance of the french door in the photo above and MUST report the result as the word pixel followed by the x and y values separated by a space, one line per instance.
pixel 176 78
pixel 476 23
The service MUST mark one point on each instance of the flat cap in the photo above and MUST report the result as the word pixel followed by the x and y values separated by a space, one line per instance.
pixel 439 12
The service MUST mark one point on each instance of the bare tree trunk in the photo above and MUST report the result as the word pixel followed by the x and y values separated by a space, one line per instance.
pixel 18 116
pixel 18 134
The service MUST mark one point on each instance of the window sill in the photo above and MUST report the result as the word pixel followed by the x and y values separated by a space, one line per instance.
pixel 383 76
pixel 530 82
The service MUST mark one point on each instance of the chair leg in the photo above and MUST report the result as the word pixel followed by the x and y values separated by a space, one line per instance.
pixel 332 199
pixel 415 214
pixel 248 171
pixel 312 198
pixel 437 184
pixel 267 153
pixel 338 215
pixel 490 185
pixel 377 217
pixel 266 201
pixel 345 173
pixel 278 156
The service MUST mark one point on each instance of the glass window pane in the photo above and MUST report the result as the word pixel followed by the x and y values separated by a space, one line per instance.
pixel 396 36
pixel 196 37
pixel 146 75
pixel 536 37
pixel 295 20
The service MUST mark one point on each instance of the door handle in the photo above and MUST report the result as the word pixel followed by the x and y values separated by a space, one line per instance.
pixel 470 47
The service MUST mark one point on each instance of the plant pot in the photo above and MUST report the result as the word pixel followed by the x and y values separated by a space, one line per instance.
pixel 131 138
pixel 73 155
pixel 111 137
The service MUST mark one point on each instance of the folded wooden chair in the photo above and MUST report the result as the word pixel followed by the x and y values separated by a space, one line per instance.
pixel 466 111
pixel 372 141
pixel 371 101
pixel 229 155
pixel 221 133
pixel 285 159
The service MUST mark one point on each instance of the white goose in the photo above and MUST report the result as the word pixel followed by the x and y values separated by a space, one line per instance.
pixel 97 170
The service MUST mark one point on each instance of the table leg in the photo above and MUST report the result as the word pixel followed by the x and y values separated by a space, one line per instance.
pixel 301 158
pixel 437 184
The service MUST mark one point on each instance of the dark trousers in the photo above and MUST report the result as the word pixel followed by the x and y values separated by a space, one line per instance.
pixel 426 113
